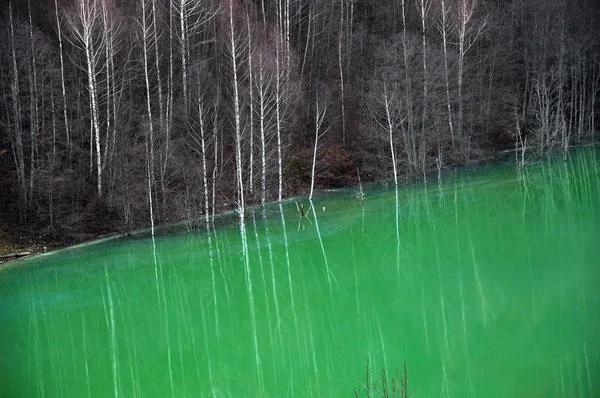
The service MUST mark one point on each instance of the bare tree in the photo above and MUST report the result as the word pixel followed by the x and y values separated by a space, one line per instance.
pixel 388 117
pixel 147 38
pixel 201 142
pixel 424 7
pixel 340 63
pixel 193 17
pixel 444 27
pixel 409 132
pixel 34 118
pixel 266 97
pixel 251 100
pixel 16 128
pixel 279 75
pixel 468 31
pixel 85 23
pixel 236 48
pixel 320 110
pixel 62 71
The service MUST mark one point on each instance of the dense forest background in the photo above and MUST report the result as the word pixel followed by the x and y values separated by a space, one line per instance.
pixel 114 113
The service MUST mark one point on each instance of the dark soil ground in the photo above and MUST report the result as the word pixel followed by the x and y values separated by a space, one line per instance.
pixel 18 238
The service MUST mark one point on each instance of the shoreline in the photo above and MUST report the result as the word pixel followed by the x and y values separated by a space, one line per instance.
pixel 20 243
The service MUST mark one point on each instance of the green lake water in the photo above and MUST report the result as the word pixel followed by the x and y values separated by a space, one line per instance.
pixel 488 285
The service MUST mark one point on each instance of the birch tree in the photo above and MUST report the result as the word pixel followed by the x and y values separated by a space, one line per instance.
pixel 424 7
pixel 320 110
pixel 147 37
pixel 279 75
pixel 468 31
pixel 193 16
pixel 235 48
pixel 34 117
pixel 84 25
pixel 409 133
pixel 388 117
pixel 62 71
pixel 266 98
pixel 445 30
pixel 341 68
pixel 16 136
pixel 251 100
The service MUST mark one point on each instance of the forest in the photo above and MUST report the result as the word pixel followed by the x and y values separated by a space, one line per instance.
pixel 118 114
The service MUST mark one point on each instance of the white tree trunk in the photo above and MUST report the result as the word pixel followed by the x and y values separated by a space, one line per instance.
pixel 251 91
pixel 62 75
pixel 34 107
pixel 150 138
pixel 278 117
pixel 319 116
pixel 340 46
pixel 204 173
pixel 409 141
pixel 234 52
pixel 444 28
pixel 16 139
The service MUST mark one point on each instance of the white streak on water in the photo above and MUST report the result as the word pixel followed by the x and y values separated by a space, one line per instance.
pixel 128 345
pixel 246 260
pixel 113 339
pixel 221 267
pixel 313 350
pixel 264 283
pixel 445 326
pixel 39 373
pixel 533 300
pixel 213 279
pixel 167 336
pixel 446 351
pixel 444 391
pixel 328 270
pixel 397 237
pixel 162 309
pixel 356 290
pixel 208 353
pixel 562 378
pixel 289 272
pixel 579 376
pixel 556 380
pixel 482 300
pixel 363 219
pixel 385 362
pixel 194 343
pixel 29 338
pixel 156 279
pixel 464 327
pixel 587 370
pixel 425 320
pixel 52 342
pixel 40 349
pixel 85 355
pixel 456 221
pixel 462 307
pixel 72 341
pixel 292 300
pixel 185 317
pixel 273 280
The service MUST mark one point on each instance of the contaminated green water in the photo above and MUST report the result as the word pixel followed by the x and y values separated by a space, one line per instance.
pixel 488 285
